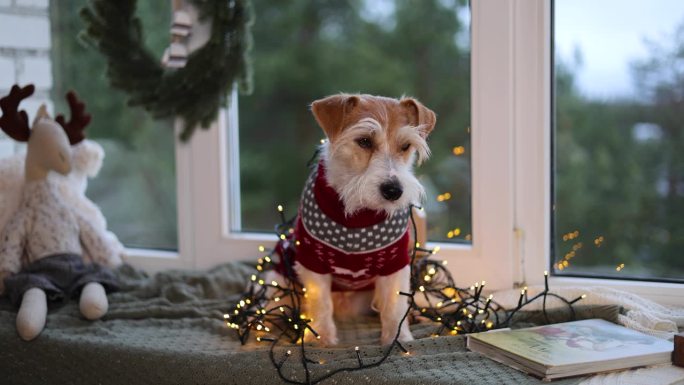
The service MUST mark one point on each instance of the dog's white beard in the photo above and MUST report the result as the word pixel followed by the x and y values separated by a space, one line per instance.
pixel 363 191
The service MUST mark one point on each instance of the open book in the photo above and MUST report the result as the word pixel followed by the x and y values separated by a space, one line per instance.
pixel 571 348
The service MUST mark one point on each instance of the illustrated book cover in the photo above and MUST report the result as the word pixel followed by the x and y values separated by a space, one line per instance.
pixel 571 348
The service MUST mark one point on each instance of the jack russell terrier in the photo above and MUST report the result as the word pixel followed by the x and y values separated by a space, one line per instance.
pixel 352 229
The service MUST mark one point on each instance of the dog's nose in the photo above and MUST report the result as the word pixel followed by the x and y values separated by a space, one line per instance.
pixel 391 190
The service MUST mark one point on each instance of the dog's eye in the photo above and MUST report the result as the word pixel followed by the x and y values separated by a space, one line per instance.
pixel 364 142
pixel 405 147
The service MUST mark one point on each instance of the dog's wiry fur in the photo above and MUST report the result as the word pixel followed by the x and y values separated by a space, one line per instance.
pixel 355 172
pixel 371 141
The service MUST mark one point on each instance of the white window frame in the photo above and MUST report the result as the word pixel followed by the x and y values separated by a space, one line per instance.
pixel 532 165
pixel 209 191
pixel 511 163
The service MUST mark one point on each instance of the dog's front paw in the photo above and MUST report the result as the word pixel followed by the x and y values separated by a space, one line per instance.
pixel 388 334
pixel 327 334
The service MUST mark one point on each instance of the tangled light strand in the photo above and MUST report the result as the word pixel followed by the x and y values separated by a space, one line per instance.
pixel 274 312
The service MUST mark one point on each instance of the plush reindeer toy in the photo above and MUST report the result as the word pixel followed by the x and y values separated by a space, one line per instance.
pixel 43 244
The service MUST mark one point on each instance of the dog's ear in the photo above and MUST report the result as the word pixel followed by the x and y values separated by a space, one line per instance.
pixel 330 112
pixel 419 115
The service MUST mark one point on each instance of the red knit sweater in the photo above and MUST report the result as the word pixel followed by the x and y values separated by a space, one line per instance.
pixel 354 249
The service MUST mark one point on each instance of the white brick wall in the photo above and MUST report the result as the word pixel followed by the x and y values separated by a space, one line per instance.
pixel 7 72
pixel 33 3
pixel 25 55
pixel 36 70
pixel 22 31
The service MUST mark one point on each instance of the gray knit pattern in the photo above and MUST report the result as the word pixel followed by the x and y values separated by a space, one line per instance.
pixel 169 329
pixel 349 240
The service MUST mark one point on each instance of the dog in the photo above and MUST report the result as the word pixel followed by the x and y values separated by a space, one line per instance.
pixel 352 230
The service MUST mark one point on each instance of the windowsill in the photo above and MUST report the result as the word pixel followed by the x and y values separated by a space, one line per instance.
pixel 664 293
pixel 152 261
pixel 660 292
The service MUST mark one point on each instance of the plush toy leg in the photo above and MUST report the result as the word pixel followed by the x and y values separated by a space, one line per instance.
pixel 93 302
pixel 32 314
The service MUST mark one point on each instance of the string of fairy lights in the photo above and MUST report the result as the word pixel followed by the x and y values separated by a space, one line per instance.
pixel 271 312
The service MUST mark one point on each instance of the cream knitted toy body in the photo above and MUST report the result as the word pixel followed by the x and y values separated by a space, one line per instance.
pixel 43 243
pixel 87 157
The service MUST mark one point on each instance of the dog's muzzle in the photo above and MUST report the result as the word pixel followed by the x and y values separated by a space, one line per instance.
pixel 391 190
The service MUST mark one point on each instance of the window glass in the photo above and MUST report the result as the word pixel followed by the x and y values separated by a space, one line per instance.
pixel 619 139
pixel 307 50
pixel 136 187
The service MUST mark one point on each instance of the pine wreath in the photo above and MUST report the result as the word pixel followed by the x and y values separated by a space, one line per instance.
pixel 195 92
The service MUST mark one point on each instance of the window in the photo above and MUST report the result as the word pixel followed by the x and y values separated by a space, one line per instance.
pixel 488 255
pixel 307 50
pixel 497 70
pixel 618 140
pixel 531 163
pixel 136 188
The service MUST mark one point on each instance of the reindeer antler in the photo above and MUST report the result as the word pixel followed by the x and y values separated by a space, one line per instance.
pixel 14 122
pixel 79 119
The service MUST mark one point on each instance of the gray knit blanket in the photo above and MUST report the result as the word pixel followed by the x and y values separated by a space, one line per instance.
pixel 169 329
